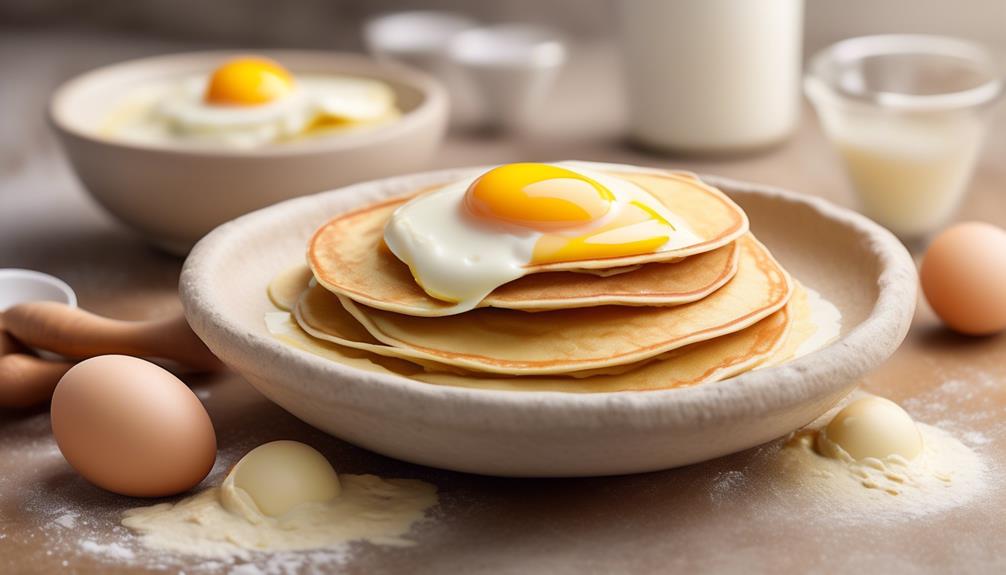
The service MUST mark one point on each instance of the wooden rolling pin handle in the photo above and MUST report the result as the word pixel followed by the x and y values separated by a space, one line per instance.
pixel 27 381
pixel 75 333
pixel 8 344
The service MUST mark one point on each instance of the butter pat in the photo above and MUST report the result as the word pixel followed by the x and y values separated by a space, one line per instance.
pixel 872 427
pixel 274 478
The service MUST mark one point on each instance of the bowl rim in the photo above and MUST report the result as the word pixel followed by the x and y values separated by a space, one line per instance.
pixel 820 79
pixel 380 26
pixel 433 93
pixel 753 393
pixel 20 275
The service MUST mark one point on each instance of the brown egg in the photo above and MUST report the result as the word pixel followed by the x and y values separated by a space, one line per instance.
pixel 964 278
pixel 131 427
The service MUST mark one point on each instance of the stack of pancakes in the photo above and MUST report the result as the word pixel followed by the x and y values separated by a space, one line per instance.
pixel 689 316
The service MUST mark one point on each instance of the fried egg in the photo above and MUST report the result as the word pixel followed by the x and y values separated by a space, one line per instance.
pixel 250 101
pixel 466 239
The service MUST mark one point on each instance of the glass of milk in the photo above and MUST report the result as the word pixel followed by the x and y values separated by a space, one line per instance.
pixel 711 76
pixel 907 114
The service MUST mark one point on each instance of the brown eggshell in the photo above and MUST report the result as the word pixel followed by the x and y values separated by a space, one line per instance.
pixel 964 278
pixel 131 427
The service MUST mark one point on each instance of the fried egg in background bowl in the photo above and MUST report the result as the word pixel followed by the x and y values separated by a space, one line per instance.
pixel 173 190
pixel 465 239
pixel 248 101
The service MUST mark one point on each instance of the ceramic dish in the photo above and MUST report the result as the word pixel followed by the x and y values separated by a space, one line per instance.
pixel 853 262
pixel 19 286
pixel 173 193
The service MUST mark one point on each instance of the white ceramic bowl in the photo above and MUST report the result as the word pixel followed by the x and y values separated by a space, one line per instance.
pixel 853 262
pixel 173 193
pixel 20 286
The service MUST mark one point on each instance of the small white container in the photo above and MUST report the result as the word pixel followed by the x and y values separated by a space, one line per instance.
pixel 22 286
pixel 711 75
pixel 512 67
pixel 418 37
pixel 907 114
pixel 421 38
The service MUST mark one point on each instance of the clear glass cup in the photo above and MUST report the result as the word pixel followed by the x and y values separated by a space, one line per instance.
pixel 907 114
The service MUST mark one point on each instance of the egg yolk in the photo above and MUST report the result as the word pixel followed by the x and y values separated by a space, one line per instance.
pixel 248 82
pixel 538 196
pixel 637 229
pixel 566 206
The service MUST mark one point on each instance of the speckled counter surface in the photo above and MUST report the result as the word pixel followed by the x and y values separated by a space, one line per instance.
pixel 713 516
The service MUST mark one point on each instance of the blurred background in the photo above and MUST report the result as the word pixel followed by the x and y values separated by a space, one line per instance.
pixel 335 23
pixel 601 102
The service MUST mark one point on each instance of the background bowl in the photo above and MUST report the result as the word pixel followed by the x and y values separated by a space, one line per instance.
pixel 853 262
pixel 174 194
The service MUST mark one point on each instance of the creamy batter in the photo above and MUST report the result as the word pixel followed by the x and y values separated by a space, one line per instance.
pixel 825 318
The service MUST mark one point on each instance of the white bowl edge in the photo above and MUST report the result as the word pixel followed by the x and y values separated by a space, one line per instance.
pixel 817 380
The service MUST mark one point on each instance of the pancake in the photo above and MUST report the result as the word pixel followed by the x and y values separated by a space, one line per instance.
pixel 287 287
pixel 772 341
pixel 758 346
pixel 695 364
pixel 347 255
pixel 284 327
pixel 805 313
pixel 555 342
pixel 656 284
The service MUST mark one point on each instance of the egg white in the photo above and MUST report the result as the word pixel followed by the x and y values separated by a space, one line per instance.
pixel 352 99
pixel 461 258
pixel 186 114
pixel 176 110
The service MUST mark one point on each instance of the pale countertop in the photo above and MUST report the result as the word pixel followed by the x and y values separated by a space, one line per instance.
pixel 703 517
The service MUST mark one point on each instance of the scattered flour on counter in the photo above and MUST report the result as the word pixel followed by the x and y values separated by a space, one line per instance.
pixel 79 522
pixel 83 522
pixel 110 550
pixel 788 478
pixel 965 401
pixel 725 483
pixel 369 508
pixel 976 438
pixel 67 520
pixel 947 474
